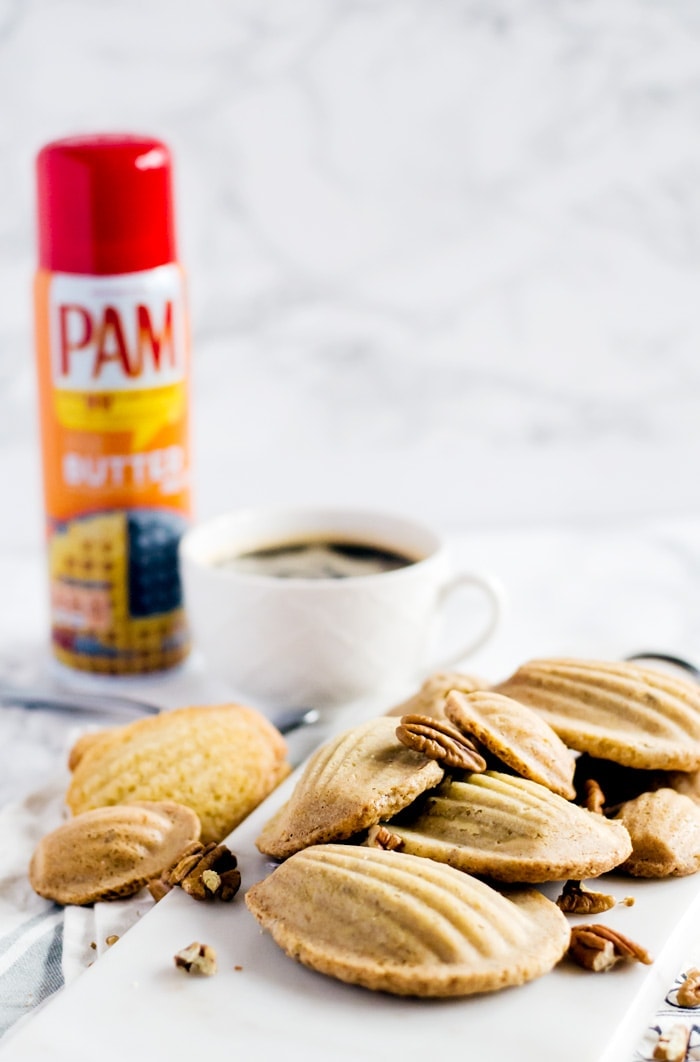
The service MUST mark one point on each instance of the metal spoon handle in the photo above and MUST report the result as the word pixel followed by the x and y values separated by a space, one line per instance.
pixel 74 702
pixel 286 721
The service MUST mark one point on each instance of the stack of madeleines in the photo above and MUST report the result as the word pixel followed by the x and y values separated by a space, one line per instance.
pixel 215 763
pixel 409 852
pixel 413 848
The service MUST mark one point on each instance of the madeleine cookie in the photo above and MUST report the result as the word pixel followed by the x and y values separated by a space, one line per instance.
pixel 509 829
pixel 111 852
pixel 396 923
pixel 430 698
pixel 665 831
pixel 359 777
pixel 516 735
pixel 220 760
pixel 636 716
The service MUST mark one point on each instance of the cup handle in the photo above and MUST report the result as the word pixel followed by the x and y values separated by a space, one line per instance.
pixel 495 595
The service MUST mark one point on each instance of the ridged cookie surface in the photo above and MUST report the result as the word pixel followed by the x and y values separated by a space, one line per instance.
pixel 111 852
pixel 510 829
pixel 219 760
pixel 665 831
pixel 351 782
pixel 517 735
pixel 636 716
pixel 396 923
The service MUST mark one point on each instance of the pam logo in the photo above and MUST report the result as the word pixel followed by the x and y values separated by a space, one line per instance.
pixel 110 340
pixel 106 340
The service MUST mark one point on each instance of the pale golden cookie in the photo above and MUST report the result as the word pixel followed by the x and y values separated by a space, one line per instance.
pixel 396 923
pixel 111 852
pixel 430 698
pixel 220 760
pixel 665 831
pixel 517 735
pixel 510 829
pixel 350 783
pixel 636 716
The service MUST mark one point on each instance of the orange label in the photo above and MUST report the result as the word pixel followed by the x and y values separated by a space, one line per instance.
pixel 112 355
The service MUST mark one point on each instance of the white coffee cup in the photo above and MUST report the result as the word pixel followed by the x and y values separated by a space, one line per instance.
pixel 322 641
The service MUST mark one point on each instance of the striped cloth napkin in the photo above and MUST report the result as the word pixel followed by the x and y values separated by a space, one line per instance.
pixel 42 946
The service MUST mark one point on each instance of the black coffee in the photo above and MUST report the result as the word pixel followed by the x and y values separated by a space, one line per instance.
pixel 318 559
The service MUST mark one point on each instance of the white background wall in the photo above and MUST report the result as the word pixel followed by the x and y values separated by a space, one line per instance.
pixel 444 254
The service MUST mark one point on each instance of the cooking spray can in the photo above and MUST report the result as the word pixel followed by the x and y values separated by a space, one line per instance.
pixel 113 366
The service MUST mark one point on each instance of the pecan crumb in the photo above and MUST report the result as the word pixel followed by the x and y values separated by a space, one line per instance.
pixel 594 798
pixel 158 888
pixel 688 994
pixel 197 959
pixel 205 872
pixel 598 948
pixel 379 837
pixel 238 967
pixel 211 881
pixel 574 899
pixel 672 1045
pixel 439 740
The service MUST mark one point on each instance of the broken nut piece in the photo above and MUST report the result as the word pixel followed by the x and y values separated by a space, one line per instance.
pixel 574 899
pixel 205 872
pixel 672 1045
pixel 439 740
pixel 197 959
pixel 594 797
pixel 598 948
pixel 379 837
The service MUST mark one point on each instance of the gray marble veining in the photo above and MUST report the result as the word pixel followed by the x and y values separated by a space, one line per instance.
pixel 442 255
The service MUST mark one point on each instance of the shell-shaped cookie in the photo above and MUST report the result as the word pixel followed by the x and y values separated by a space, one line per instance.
pixel 511 829
pixel 636 716
pixel 351 782
pixel 517 735
pixel 111 852
pixel 665 829
pixel 221 760
pixel 396 923
pixel 430 698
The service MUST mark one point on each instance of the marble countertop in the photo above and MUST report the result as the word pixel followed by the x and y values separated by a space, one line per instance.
pixel 442 255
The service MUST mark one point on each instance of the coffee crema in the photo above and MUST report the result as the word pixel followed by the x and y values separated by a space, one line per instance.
pixel 322 558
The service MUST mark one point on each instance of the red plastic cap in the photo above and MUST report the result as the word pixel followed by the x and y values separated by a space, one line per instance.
pixel 105 204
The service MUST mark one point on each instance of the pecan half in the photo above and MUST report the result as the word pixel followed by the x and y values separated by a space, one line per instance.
pixel 598 948
pixel 688 994
pixel 205 872
pixel 574 899
pixel 672 1045
pixel 380 837
pixel 197 959
pixel 440 740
